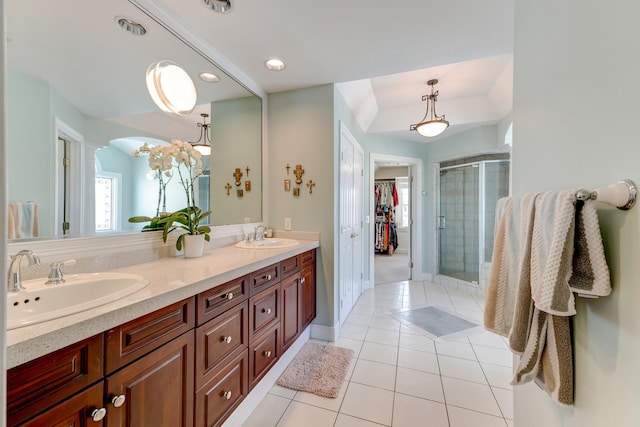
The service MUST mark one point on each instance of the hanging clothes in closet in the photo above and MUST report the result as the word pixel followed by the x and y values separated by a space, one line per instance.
pixel 386 234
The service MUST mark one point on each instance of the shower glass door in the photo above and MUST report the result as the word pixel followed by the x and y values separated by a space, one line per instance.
pixel 459 222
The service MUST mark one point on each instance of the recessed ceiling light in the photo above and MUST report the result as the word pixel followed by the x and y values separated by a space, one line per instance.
pixel 209 77
pixel 275 64
pixel 131 26
pixel 220 6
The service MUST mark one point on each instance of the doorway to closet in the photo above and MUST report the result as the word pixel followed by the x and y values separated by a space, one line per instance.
pixel 392 213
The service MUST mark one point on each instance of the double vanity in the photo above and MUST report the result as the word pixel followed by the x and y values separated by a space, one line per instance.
pixel 184 349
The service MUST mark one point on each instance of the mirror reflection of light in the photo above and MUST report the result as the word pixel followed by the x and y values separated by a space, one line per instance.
pixel 171 88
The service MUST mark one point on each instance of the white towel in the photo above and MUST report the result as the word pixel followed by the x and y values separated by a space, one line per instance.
pixel 23 220
pixel 555 243
pixel 567 254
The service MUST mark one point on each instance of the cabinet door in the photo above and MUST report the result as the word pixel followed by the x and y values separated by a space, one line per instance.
pixel 290 310
pixel 158 389
pixel 76 411
pixel 307 296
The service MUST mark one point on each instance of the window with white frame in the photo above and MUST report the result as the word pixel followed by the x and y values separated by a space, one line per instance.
pixel 402 210
pixel 107 185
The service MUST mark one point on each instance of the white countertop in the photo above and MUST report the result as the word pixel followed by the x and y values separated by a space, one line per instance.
pixel 171 280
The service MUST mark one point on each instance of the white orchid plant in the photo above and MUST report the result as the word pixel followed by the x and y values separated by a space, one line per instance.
pixel 167 160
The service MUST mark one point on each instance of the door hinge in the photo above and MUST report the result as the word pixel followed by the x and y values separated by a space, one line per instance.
pixel 66 162
pixel 362 172
pixel 411 221
pixel 65 226
pixel 361 276
pixel 410 264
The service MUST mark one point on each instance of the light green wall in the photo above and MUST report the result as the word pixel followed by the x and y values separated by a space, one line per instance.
pixel 30 146
pixel 576 97
pixel 301 131
pixel 236 127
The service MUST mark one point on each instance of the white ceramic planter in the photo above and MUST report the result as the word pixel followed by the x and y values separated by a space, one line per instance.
pixel 193 245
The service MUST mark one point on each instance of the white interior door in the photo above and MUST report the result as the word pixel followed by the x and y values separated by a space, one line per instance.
pixel 351 221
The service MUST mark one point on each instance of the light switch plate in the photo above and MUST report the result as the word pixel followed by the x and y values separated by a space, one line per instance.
pixel 287 224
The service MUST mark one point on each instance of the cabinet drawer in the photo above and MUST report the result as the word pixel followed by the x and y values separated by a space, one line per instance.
pixel 138 337
pixel 75 411
pixel 264 311
pixel 263 355
pixel 290 266
pixel 264 278
pixel 220 337
pixel 41 383
pixel 307 258
pixel 217 300
pixel 223 393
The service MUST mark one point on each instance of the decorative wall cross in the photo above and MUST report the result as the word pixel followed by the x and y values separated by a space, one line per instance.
pixel 228 187
pixel 311 184
pixel 238 175
pixel 298 172
pixel 247 169
pixel 287 168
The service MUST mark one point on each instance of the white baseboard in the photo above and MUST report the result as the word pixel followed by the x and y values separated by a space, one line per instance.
pixel 325 333
pixel 253 399
pixel 422 276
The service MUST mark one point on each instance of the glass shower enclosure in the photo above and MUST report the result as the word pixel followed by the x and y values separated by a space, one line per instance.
pixel 468 193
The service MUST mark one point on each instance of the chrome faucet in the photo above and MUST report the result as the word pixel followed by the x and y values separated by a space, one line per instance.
pixel 14 283
pixel 259 236
pixel 55 275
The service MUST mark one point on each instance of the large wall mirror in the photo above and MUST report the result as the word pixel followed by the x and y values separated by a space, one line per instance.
pixel 77 106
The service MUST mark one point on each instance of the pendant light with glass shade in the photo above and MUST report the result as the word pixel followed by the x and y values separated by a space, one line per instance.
pixel 431 124
pixel 203 144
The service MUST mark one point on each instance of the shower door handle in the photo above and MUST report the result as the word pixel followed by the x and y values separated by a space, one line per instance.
pixel 442 223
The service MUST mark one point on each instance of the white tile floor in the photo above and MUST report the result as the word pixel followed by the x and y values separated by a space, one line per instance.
pixel 402 378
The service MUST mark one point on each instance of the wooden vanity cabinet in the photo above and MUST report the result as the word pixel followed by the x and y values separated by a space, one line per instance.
pixel 188 364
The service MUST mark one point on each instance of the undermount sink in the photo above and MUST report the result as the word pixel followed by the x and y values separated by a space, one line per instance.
pixel 80 292
pixel 269 243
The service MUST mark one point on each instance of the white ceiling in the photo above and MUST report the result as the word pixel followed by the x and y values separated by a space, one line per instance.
pixel 382 52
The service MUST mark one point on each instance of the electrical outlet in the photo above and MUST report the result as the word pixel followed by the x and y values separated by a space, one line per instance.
pixel 287 224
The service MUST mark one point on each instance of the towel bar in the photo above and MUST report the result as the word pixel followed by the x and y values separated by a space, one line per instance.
pixel 621 194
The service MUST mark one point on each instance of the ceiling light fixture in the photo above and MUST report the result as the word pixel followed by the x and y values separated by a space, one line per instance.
pixel 209 77
pixel 435 124
pixel 171 88
pixel 131 26
pixel 203 147
pixel 220 6
pixel 275 64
